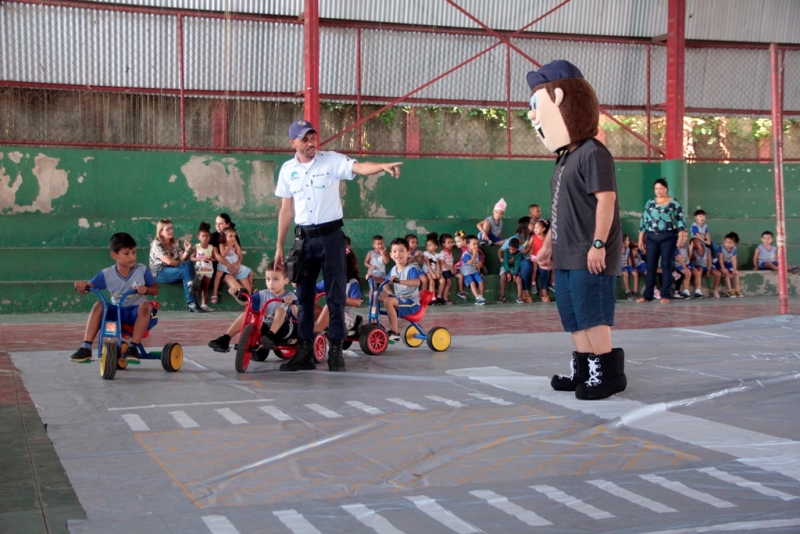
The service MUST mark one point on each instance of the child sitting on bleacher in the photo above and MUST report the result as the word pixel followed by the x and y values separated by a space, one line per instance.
pixel 118 279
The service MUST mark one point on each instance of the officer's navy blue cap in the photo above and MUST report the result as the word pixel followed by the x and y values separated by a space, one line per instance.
pixel 299 129
pixel 555 70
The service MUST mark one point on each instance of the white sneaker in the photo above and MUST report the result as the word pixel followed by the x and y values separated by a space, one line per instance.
pixel 656 294
pixel 206 307
pixel 480 301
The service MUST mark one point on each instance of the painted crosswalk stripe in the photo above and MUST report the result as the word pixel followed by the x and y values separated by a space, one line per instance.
pixel 446 518
pixel 365 407
pixel 136 423
pixel 295 522
pixel 502 503
pixel 219 524
pixel 330 414
pixel 278 414
pixel 630 496
pixel 406 404
pixel 369 518
pixel 686 491
pixel 232 417
pixel 184 420
pixel 453 403
pixel 744 483
pixel 574 503
pixel 496 400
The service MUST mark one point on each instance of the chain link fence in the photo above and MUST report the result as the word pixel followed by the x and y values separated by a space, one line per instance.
pixel 147 78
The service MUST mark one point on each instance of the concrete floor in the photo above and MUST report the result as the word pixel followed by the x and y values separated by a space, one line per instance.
pixel 469 440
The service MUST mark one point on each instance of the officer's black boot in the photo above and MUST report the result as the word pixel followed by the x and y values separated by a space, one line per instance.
pixel 303 360
pixel 335 358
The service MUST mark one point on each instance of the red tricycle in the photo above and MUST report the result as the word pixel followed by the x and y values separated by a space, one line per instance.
pixel 252 345
pixel 374 339
pixel 111 343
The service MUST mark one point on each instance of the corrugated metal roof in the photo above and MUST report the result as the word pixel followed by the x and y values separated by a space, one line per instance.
pixel 760 21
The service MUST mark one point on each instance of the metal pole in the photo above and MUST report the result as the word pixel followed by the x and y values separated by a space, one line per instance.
pixel 182 82
pixel 676 51
pixel 311 27
pixel 776 78
pixel 358 89
pixel 508 102
pixel 648 110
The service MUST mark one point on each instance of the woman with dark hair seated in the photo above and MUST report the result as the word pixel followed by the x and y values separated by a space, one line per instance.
pixel 170 261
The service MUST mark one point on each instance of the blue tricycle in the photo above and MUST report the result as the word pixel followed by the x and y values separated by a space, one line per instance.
pixel 112 343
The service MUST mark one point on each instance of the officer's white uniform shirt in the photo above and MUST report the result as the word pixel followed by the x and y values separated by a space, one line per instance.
pixel 315 186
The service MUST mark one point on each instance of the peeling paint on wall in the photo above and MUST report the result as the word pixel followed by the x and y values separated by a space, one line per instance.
pixel 367 185
pixel 262 183
pixel 52 184
pixel 83 222
pixel 262 265
pixel 212 180
pixel 412 226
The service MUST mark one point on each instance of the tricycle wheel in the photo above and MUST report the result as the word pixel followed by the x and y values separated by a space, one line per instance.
pixel 242 352
pixel 439 339
pixel 108 360
pixel 122 363
pixel 373 340
pixel 261 354
pixel 320 347
pixel 346 344
pixel 172 357
pixel 409 337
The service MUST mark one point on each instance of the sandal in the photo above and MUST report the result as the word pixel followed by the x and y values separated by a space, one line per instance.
pixel 214 299
pixel 544 299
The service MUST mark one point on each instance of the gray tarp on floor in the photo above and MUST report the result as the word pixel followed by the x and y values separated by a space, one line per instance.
pixel 470 440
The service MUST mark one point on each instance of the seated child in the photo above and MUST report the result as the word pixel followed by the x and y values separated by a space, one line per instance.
pixel 684 269
pixel 727 263
pixel 638 267
pixel 121 277
pixel 203 256
pixel 447 267
pixel 431 266
pixel 700 254
pixel 415 259
pixel 403 299
pixel 470 269
pixel 353 299
pixel 237 276
pixel 490 230
pixel 509 272
pixel 376 260
pixel 277 324
pixel 627 269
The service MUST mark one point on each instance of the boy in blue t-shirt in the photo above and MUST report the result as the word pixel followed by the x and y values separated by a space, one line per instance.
pixel 404 300
pixel 277 323
pixel 118 279
pixel 470 261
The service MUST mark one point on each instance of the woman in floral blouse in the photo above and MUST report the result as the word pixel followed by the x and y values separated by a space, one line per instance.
pixel 661 229
pixel 170 261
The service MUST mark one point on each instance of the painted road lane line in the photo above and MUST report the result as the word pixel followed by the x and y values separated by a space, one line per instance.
pixel 445 517
pixel 747 526
pixel 136 423
pixel 756 449
pixel 219 524
pixel 295 522
pixel 453 403
pixel 406 404
pixel 686 491
pixel 232 417
pixel 369 518
pixel 574 503
pixel 184 404
pixel 184 420
pixel 365 407
pixel 632 497
pixel 744 483
pixel 489 398
pixel 502 503
pixel 278 414
pixel 330 414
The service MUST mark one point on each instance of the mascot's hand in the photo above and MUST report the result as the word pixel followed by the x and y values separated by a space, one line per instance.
pixel 545 256
pixel 596 260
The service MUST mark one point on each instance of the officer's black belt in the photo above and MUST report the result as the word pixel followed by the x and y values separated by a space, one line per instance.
pixel 316 230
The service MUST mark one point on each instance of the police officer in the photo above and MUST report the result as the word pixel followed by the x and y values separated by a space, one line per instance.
pixel 308 186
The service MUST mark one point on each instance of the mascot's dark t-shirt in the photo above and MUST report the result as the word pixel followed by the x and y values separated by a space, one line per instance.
pixel 577 176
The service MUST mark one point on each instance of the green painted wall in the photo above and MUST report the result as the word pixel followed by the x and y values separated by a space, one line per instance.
pixel 59 206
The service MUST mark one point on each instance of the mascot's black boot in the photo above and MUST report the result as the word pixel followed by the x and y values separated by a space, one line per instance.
pixel 578 374
pixel 335 358
pixel 303 360
pixel 605 378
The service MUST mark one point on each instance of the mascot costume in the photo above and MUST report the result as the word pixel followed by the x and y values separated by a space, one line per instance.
pixel 584 245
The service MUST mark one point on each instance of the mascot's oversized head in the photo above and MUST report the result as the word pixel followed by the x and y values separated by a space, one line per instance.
pixel 564 107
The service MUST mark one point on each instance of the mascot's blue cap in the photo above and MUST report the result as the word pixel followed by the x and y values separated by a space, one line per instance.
pixel 555 70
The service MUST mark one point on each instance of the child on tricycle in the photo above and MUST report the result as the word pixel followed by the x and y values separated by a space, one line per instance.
pixel 404 277
pixel 124 276
pixel 277 325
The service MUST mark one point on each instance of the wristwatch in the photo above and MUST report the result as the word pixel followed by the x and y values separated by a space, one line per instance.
pixel 598 244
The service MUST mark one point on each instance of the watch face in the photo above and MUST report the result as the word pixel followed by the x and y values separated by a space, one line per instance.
pixel 598 244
